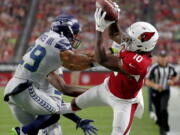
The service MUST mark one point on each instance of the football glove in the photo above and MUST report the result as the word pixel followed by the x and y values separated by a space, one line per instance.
pixel 87 128
pixel 101 23
pixel 117 8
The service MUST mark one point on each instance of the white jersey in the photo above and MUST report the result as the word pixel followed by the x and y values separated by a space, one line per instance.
pixel 43 58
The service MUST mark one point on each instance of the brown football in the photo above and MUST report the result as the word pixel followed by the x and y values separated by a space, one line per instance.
pixel 108 6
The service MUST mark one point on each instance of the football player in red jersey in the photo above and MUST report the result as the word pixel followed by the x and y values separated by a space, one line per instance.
pixel 122 90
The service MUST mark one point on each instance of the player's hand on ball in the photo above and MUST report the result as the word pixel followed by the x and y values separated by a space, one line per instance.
pixel 101 23
pixel 87 128
pixel 117 8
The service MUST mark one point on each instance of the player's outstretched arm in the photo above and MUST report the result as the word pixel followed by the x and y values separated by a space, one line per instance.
pixel 110 61
pixel 116 34
pixel 60 85
pixel 84 124
pixel 107 60
pixel 76 61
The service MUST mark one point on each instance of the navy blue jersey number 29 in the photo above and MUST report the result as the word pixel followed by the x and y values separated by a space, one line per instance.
pixel 37 55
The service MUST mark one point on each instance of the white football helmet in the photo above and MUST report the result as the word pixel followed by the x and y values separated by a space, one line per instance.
pixel 144 37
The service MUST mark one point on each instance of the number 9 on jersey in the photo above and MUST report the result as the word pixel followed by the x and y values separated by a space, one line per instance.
pixel 37 54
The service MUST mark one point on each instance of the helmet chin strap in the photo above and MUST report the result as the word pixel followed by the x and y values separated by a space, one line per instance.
pixel 76 43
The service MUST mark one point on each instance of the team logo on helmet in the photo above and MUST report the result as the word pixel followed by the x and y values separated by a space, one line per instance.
pixel 146 36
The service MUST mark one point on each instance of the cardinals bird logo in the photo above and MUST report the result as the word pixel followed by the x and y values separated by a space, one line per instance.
pixel 146 36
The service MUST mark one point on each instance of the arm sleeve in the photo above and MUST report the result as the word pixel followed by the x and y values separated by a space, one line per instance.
pixel 72 117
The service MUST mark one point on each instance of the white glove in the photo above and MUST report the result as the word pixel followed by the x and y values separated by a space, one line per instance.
pixel 101 23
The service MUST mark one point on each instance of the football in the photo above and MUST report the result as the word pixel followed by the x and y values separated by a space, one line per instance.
pixel 108 6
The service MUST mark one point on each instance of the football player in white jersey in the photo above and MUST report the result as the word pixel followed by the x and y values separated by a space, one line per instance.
pixel 48 125
pixel 27 93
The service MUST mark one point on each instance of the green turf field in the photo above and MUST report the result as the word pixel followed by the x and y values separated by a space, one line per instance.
pixel 101 115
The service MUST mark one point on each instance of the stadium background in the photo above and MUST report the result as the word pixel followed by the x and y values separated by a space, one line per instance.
pixel 22 21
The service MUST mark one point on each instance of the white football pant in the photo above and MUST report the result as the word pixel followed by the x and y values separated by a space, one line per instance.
pixel 32 102
pixel 123 110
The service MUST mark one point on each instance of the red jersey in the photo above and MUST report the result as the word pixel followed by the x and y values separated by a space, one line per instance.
pixel 136 65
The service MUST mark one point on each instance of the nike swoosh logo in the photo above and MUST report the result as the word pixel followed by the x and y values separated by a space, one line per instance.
pixel 131 65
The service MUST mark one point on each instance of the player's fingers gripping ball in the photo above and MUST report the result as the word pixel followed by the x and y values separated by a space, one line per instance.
pixel 107 12
pixel 101 23
pixel 111 8
pixel 117 8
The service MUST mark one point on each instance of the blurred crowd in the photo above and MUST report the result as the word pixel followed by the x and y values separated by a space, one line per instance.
pixel 12 14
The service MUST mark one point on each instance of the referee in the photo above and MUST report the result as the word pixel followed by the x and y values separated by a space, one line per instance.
pixel 161 75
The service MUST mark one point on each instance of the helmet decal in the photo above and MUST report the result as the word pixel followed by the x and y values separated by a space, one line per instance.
pixel 67 26
pixel 146 36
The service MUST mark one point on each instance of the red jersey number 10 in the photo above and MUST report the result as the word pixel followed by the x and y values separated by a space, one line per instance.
pixel 138 58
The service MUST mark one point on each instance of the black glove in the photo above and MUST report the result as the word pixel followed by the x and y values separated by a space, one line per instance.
pixel 87 128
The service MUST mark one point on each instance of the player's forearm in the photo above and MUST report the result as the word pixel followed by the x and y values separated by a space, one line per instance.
pixel 72 117
pixel 78 66
pixel 107 60
pixel 60 85
pixel 82 59
pixel 116 34
pixel 56 81
pixel 68 90
pixel 73 91
pixel 100 51
pixel 70 57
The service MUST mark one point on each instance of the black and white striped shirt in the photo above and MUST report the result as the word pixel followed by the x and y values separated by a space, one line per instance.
pixel 161 75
